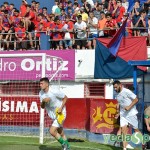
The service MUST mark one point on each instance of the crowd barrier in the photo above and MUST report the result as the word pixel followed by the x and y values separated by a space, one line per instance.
pixel 45 41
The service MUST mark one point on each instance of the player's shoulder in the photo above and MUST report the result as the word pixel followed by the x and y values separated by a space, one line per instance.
pixel 41 92
pixel 54 89
pixel 126 90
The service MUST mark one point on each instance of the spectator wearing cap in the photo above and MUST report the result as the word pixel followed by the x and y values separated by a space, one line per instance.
pixel 92 30
pixel 97 11
pixel 101 24
pixel 118 12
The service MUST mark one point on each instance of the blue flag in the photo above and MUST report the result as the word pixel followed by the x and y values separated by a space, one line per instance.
pixel 114 44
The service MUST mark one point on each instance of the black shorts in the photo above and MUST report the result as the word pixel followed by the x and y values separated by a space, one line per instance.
pixel 31 27
pixel 21 45
pixel 81 42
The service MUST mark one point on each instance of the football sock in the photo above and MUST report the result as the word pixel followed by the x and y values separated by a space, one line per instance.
pixel 61 141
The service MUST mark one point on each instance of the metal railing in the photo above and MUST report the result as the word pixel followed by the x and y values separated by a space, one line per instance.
pixel 47 33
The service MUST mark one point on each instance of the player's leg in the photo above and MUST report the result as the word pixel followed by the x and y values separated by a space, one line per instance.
pixel 124 132
pixel 56 135
pixel 54 132
pixel 124 129
pixel 61 132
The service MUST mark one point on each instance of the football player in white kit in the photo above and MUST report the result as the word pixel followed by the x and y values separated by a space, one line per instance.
pixel 53 99
pixel 127 101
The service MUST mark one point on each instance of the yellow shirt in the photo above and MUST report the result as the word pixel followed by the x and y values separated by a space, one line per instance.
pixel 84 17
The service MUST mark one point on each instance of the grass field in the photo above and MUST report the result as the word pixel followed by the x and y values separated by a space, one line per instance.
pixel 27 143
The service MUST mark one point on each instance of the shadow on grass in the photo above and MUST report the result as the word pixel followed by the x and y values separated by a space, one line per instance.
pixel 75 140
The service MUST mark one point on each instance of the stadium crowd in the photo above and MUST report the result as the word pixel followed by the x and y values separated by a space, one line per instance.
pixel 70 24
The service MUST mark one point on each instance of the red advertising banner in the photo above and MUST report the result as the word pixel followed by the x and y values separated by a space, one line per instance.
pixel 19 110
pixel 102 114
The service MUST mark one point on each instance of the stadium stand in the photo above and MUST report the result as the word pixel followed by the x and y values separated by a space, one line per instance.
pixel 21 23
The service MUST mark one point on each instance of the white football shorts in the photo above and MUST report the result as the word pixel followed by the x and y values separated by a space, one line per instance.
pixel 130 120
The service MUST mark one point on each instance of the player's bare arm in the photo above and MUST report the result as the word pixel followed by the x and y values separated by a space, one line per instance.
pixel 63 104
pixel 44 101
pixel 117 111
pixel 131 105
pixel 147 124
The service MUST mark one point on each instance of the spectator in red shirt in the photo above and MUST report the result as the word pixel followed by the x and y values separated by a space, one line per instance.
pixel 6 5
pixel 57 33
pixel 21 36
pixel 110 26
pixel 38 10
pixel 23 8
pixel 11 9
pixel 1 28
pixel 29 20
pixel 6 21
pixel 111 5
pixel 2 8
pixel 40 26
pixel 15 22
pixel 33 4
pixel 45 13
pixel 6 24
pixel 118 12
pixel 68 36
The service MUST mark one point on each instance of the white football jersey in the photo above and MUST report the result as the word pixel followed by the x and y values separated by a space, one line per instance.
pixel 125 98
pixel 56 97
